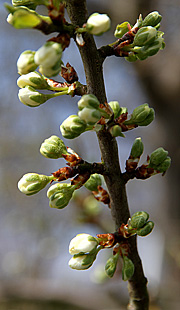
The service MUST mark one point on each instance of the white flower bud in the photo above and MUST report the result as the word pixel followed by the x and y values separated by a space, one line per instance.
pixel 32 79
pixel 78 263
pixel 30 97
pixel 97 24
pixel 90 116
pixel 82 243
pixel 25 62
pixel 32 183
pixel 48 54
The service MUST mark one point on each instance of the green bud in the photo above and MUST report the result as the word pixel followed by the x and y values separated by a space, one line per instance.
pixel 34 79
pixel 157 157
pixel 88 101
pixel 139 219
pixel 143 115
pixel 93 182
pixel 53 147
pixel 115 107
pixel 164 165
pixel 32 183
pixel 128 269
pixel 25 62
pixel 31 97
pixel 121 29
pixel 111 264
pixel 137 148
pixel 145 35
pixel 97 24
pixel 72 127
pixel 89 116
pixel 144 231
pixel 60 194
pixel 152 19
pixel 131 58
pixel 23 17
pixel 116 131
pixel 153 48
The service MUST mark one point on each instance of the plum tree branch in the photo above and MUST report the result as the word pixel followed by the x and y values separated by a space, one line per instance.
pixel 92 61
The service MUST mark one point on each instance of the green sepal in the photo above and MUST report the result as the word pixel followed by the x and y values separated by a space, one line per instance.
pixel 146 230
pixel 128 268
pixel 111 264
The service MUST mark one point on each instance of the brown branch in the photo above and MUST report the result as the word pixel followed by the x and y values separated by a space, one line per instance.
pixel 115 183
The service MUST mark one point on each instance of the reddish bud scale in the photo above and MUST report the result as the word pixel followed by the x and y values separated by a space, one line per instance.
pixel 56 15
pixel 126 39
pixel 107 240
pixel 72 159
pixel 144 173
pixel 64 173
pixel 124 249
pixel 80 179
pixel 123 231
pixel 56 84
pixel 101 195
pixel 131 164
pixel 63 39
pixel 69 74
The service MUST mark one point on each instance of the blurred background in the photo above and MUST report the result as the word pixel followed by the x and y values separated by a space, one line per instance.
pixel 34 239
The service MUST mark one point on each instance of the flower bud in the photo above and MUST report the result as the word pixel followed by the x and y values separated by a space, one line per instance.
pixel 32 79
pixel 153 48
pixel 121 29
pixel 82 243
pixel 48 54
pixel 90 116
pixel 97 24
pixel 79 262
pixel 32 183
pixel 157 157
pixel 115 107
pixel 164 165
pixel 72 127
pixel 152 19
pixel 53 147
pixel 111 264
pixel 88 101
pixel 93 182
pixel 144 36
pixel 51 70
pixel 137 148
pixel 128 268
pixel 60 194
pixel 31 4
pixel 25 62
pixel 143 115
pixel 116 131
pixel 146 229
pixel 139 219
pixel 30 97
pixel 23 17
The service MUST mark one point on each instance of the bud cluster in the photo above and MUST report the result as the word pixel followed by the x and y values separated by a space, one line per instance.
pixel 141 41
pixel 84 249
pixel 157 162
pixel 139 224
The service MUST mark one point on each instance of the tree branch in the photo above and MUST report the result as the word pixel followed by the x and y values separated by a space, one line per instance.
pixel 92 61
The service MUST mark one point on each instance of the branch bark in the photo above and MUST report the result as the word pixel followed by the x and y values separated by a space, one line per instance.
pixel 93 62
